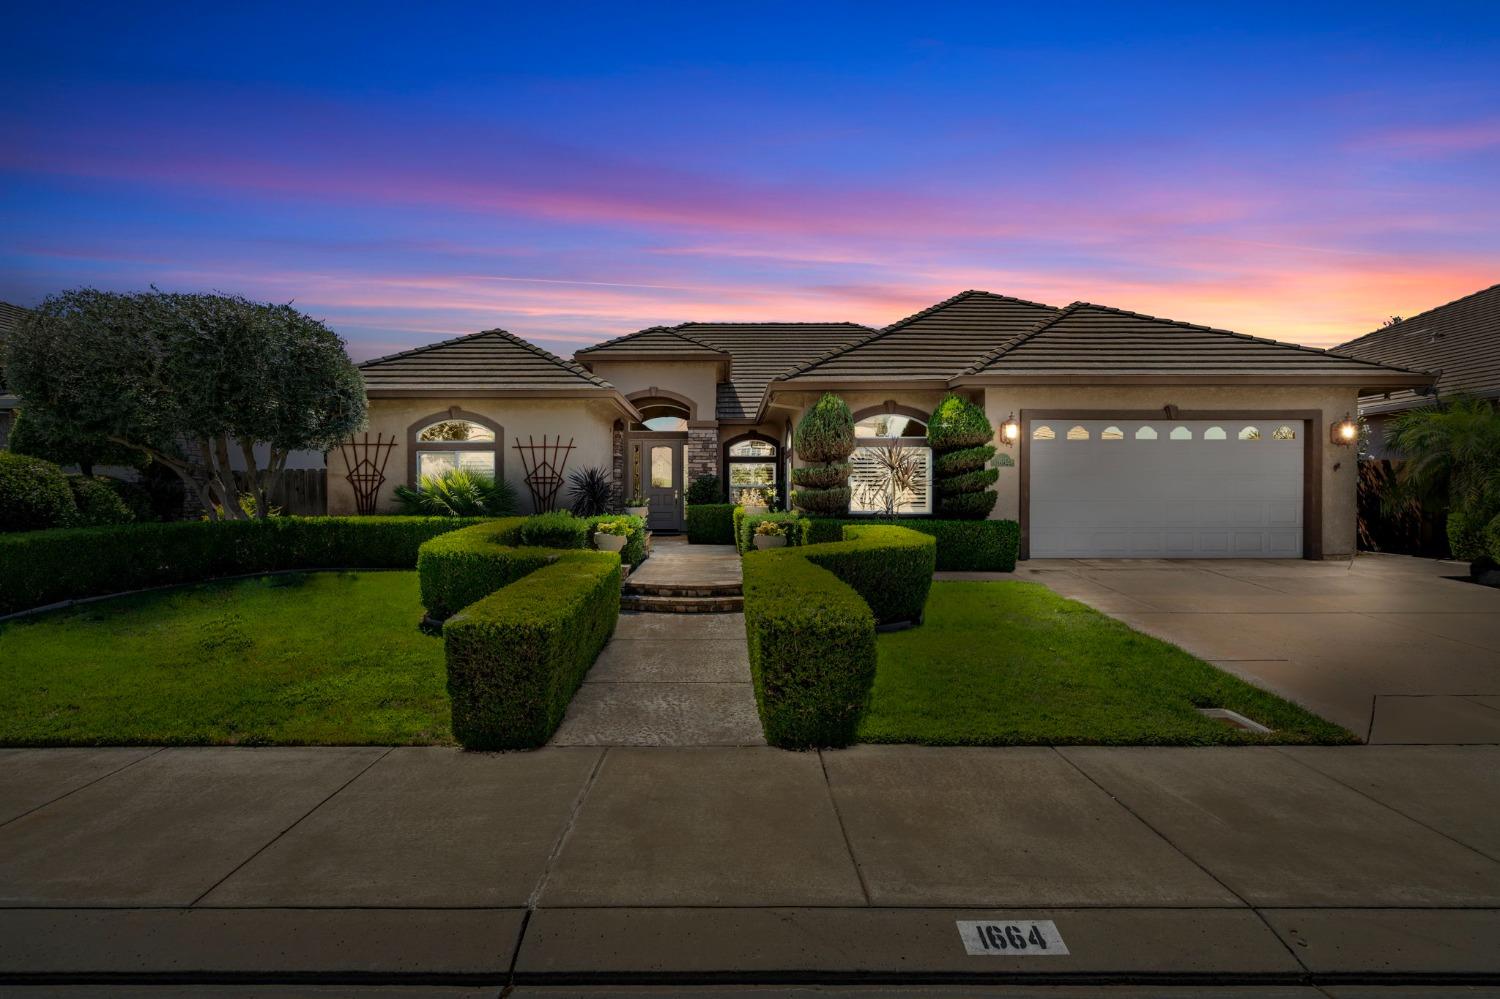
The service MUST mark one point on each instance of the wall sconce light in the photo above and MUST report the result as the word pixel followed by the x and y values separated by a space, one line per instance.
pixel 1344 432
pixel 1010 430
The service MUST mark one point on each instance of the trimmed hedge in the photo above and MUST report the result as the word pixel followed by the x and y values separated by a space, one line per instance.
pixel 889 567
pixel 745 528
pixel 43 567
pixel 962 545
pixel 34 495
pixel 634 552
pixel 558 529
pixel 98 504
pixel 710 523
pixel 968 482
pixel 963 460
pixel 516 657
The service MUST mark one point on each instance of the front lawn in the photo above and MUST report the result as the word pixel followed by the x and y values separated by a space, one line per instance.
pixel 312 658
pixel 1011 663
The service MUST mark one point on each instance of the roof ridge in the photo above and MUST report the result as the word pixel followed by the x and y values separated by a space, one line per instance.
pixel 1420 315
pixel 963 294
pixel 424 347
pixel 766 322
pixel 572 366
pixel 990 357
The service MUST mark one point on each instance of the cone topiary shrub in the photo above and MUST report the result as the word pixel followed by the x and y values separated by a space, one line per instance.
pixel 824 438
pixel 959 434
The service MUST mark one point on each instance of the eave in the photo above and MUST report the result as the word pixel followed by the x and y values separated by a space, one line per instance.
pixel 483 392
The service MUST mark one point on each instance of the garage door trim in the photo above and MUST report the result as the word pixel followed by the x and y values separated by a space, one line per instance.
pixel 1312 456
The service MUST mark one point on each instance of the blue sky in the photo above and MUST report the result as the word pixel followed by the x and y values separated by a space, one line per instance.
pixel 410 173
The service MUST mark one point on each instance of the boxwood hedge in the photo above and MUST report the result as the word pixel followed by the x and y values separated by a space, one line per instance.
pixel 889 567
pixel 710 523
pixel 962 545
pixel 634 552
pixel 744 528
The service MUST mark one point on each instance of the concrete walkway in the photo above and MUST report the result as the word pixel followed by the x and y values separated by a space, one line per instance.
pixel 1249 866
pixel 1395 649
pixel 671 679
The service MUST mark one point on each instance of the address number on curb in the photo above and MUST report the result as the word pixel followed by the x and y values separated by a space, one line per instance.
pixel 1012 938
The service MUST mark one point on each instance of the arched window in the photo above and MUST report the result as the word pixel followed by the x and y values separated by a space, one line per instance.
pixel 1215 434
pixel 884 426
pixel 1111 434
pixel 1078 434
pixel 1043 433
pixel 1249 433
pixel 751 462
pixel 662 415
pixel 454 439
pixel 1283 433
pixel 1145 434
pixel 1180 434
pixel 890 471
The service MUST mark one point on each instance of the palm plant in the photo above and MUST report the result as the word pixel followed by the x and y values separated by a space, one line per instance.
pixel 458 492
pixel 1452 456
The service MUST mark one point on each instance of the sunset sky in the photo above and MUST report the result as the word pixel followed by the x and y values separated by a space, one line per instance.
pixel 413 172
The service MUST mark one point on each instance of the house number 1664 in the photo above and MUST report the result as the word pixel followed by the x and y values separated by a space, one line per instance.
pixel 1011 938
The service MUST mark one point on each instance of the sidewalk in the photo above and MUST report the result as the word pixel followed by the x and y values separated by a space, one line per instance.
pixel 1256 867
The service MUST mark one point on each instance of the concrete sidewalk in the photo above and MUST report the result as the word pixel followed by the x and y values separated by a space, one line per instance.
pixel 1269 867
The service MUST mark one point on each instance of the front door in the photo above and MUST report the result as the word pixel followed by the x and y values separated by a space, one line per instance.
pixel 663 475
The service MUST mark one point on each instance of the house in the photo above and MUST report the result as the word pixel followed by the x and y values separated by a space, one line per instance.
pixel 10 316
pixel 1459 342
pixel 1120 434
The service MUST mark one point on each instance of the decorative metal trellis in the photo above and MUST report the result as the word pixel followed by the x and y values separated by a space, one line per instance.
pixel 544 464
pixel 366 460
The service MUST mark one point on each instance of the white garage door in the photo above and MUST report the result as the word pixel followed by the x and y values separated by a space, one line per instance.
pixel 1165 489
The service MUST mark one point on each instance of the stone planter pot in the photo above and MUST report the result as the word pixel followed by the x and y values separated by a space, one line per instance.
pixel 764 541
pixel 637 511
pixel 609 542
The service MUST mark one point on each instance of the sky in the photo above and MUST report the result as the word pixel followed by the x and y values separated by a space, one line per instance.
pixel 413 172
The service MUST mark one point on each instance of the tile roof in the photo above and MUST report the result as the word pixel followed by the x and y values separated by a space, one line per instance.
pixel 491 361
pixel 763 351
pixel 936 343
pixel 663 341
pixel 1096 340
pixel 1461 340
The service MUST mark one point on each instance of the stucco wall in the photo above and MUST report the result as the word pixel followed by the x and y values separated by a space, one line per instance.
pixel 588 422
pixel 1338 485
pixel 695 380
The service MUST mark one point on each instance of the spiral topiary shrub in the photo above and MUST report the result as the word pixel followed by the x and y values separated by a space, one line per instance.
pixel 959 434
pixel 824 439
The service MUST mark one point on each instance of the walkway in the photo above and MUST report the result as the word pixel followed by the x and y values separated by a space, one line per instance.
pixel 672 679
pixel 1255 866
pixel 1395 649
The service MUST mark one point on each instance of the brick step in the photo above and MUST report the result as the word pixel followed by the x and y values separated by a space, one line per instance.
pixel 722 589
pixel 682 605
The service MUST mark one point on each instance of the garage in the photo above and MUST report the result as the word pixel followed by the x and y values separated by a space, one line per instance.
pixel 1165 488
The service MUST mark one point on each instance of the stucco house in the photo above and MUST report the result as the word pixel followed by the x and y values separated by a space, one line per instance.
pixel 1458 342
pixel 1120 435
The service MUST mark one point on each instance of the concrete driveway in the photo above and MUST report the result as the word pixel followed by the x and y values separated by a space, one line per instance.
pixel 1395 649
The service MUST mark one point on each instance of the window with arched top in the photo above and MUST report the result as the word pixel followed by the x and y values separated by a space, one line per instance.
pixel 1215 434
pixel 1180 433
pixel 1043 433
pixel 1111 434
pixel 660 414
pixel 453 440
pixel 1145 434
pixel 883 426
pixel 1078 434
pixel 890 471
pixel 1249 433
pixel 751 462
pixel 1283 433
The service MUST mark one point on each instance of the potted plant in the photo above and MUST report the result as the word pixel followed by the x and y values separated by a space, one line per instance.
pixel 611 535
pixel 637 505
pixel 770 534
pixel 753 500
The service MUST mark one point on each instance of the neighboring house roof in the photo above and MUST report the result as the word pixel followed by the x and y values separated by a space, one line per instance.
pixel 659 343
pixel 934 344
pixel 10 317
pixel 1459 341
pixel 1088 343
pixel 491 363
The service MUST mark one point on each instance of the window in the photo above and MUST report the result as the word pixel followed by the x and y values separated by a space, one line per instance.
pixel 661 415
pixel 1043 433
pixel 1078 434
pixel 1111 434
pixel 1145 434
pixel 891 478
pixel 1249 433
pixel 661 467
pixel 751 463
pixel 752 449
pixel 1180 434
pixel 1215 434
pixel 886 425
pixel 453 441
pixel 1283 433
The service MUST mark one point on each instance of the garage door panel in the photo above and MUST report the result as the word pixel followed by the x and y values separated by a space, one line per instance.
pixel 1201 497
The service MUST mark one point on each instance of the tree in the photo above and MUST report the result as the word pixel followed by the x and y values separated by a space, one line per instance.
pixel 1452 459
pixel 959 434
pixel 40 437
pixel 825 438
pixel 185 378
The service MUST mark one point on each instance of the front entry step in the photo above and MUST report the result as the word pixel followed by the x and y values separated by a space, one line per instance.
pixel 726 588
pixel 681 603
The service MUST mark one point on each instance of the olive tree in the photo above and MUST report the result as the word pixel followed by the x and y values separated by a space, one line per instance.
pixel 185 378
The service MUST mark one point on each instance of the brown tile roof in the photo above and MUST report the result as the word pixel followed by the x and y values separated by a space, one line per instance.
pixel 487 362
pixel 1460 340
pixel 762 351
pixel 658 341
pixel 936 343
pixel 1087 341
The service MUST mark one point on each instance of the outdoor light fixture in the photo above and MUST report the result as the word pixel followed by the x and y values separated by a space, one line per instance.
pixel 1344 432
pixel 1010 430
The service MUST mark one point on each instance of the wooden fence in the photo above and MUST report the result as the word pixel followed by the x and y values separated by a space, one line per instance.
pixel 299 491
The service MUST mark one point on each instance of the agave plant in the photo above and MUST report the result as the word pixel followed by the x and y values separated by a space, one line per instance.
pixel 458 492
pixel 592 490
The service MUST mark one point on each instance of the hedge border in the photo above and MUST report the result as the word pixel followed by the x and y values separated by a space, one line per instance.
pixel 744 528
pixel 710 523
pixel 962 545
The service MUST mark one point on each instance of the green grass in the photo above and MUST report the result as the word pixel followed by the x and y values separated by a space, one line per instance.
pixel 1011 663
pixel 306 659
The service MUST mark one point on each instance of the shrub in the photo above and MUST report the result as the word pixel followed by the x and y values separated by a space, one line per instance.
pixel 458 492
pixel 1465 536
pixel 962 545
pixel 967 482
pixel 965 459
pixel 705 490
pixel 889 567
pixel 812 650
pixel 593 491
pixel 460 567
pixel 957 424
pixel 97 503
pixel 34 494
pixel 710 524
pixel 516 657
pixel 554 530
pixel 824 438
pixel 967 506
pixel 42 567
pixel 138 498
pixel 795 535
pixel 959 434
pixel 1492 538
pixel 634 552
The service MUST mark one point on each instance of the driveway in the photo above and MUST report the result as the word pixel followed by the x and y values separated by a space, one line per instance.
pixel 1396 649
